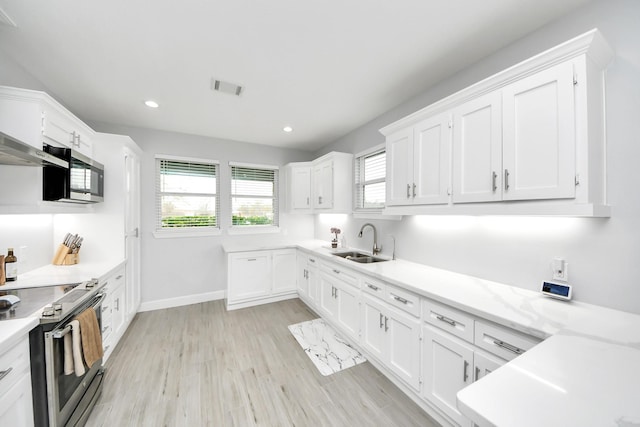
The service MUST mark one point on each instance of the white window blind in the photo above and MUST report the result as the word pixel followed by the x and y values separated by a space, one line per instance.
pixel 370 175
pixel 186 194
pixel 254 196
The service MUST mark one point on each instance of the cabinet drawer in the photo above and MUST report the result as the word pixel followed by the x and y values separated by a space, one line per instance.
pixel 449 319
pixel 14 363
pixel 503 342
pixel 404 300
pixel 374 287
pixel 340 273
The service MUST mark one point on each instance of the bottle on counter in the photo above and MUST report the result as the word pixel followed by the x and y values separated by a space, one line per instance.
pixel 11 266
pixel 3 279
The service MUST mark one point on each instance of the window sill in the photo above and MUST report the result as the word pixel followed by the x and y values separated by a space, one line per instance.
pixel 177 234
pixel 252 229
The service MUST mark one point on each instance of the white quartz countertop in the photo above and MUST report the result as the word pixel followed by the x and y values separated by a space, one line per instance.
pixel 13 330
pixel 53 275
pixel 585 373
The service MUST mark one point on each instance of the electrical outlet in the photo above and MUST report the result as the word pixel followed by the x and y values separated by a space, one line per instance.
pixel 560 269
pixel 23 255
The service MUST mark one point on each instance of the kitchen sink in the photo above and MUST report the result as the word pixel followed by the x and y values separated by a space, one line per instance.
pixel 360 257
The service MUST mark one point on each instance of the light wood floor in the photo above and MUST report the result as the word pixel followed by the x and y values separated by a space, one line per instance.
pixel 200 365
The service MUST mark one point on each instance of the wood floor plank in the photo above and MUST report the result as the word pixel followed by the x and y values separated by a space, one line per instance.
pixel 200 365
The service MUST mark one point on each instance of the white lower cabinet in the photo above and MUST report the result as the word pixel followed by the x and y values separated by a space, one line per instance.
pixel 114 310
pixel 16 407
pixel 447 364
pixel 328 301
pixel 258 277
pixel 393 338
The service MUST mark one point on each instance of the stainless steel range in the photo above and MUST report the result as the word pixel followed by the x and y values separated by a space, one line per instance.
pixel 59 399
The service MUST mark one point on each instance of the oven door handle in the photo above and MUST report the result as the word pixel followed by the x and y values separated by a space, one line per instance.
pixel 59 333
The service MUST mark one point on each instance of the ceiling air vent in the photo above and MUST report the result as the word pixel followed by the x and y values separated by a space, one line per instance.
pixel 226 87
pixel 6 19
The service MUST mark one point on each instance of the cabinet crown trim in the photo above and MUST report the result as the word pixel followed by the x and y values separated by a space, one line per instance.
pixel 592 44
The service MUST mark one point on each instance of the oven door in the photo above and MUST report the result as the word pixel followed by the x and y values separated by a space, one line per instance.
pixel 70 397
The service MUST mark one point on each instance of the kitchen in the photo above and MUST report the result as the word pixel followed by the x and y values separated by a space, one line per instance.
pixel 510 249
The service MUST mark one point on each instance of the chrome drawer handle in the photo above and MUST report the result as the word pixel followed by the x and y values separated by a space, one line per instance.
pixel 251 259
pixel 312 260
pixel 336 271
pixel 375 288
pixel 119 277
pixel 381 322
pixel 5 373
pixel 386 324
pixel 446 320
pixel 400 299
pixel 509 347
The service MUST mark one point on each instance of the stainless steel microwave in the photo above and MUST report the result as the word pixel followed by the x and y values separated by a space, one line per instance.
pixel 83 182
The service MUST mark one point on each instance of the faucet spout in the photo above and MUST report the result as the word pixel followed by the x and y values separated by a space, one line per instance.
pixel 376 249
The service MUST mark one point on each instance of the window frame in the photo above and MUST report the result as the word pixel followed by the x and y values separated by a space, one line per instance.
pixel 168 232
pixel 255 228
pixel 359 184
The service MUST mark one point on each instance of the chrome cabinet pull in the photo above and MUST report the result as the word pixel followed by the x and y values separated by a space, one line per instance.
pixel 414 190
pixel 312 260
pixel 400 299
pixel 509 347
pixel 494 178
pixel 506 179
pixel 408 191
pixel 119 277
pixel 477 373
pixel 307 201
pixel 5 373
pixel 446 320
pixel 386 324
pixel 381 323
pixel 336 271
pixel 335 293
pixel 251 259
pixel 105 329
pixel 465 375
pixel 319 200
pixel 375 288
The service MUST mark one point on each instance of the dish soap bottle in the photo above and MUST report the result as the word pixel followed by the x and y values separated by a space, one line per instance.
pixel 11 266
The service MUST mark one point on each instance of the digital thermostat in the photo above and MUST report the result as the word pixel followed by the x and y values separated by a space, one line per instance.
pixel 556 290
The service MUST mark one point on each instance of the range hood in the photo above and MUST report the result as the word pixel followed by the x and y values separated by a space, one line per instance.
pixel 14 152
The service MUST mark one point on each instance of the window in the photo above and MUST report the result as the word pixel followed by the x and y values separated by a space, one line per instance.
pixel 370 174
pixel 186 194
pixel 254 195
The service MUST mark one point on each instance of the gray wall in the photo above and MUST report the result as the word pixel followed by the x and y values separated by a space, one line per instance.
pixel 187 266
pixel 603 254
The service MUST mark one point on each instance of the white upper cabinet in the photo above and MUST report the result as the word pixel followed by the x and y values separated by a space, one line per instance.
pixel 418 163
pixel 324 185
pixel 477 150
pixel 539 136
pixel 532 135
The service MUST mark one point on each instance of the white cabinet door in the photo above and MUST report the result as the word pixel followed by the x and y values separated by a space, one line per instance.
pixel 404 347
pixel 57 128
pixel 302 282
pixel 539 136
pixel 484 364
pixel 374 337
pixel 16 407
pixel 284 275
pixel 313 281
pixel 477 150
pixel 300 187
pixel 132 231
pixel 446 368
pixel 328 301
pixel 323 185
pixel 431 160
pixel 399 181
pixel 348 309
pixel 249 275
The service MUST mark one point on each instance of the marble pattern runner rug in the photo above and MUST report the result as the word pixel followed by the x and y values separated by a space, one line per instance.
pixel 325 348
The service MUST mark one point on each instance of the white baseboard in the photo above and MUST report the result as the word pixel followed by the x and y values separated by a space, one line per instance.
pixel 180 301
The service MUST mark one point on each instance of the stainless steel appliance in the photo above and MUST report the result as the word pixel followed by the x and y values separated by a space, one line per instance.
pixel 17 153
pixel 83 182
pixel 59 399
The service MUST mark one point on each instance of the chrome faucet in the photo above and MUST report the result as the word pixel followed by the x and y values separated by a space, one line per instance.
pixel 376 249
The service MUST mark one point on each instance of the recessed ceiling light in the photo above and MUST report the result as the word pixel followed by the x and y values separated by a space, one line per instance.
pixel 287 129
pixel 151 104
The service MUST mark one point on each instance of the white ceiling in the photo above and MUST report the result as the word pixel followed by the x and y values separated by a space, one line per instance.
pixel 322 67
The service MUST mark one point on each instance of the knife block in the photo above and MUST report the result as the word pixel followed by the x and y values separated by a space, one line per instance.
pixel 64 256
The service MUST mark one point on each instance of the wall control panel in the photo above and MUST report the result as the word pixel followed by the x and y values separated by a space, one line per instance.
pixel 556 290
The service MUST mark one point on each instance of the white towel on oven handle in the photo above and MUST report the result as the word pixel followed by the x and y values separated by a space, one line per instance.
pixel 68 354
pixel 76 344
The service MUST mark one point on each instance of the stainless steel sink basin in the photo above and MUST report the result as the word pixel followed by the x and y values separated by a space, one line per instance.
pixel 360 257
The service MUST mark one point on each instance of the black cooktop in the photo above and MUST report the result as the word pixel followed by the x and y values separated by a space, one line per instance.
pixel 31 300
